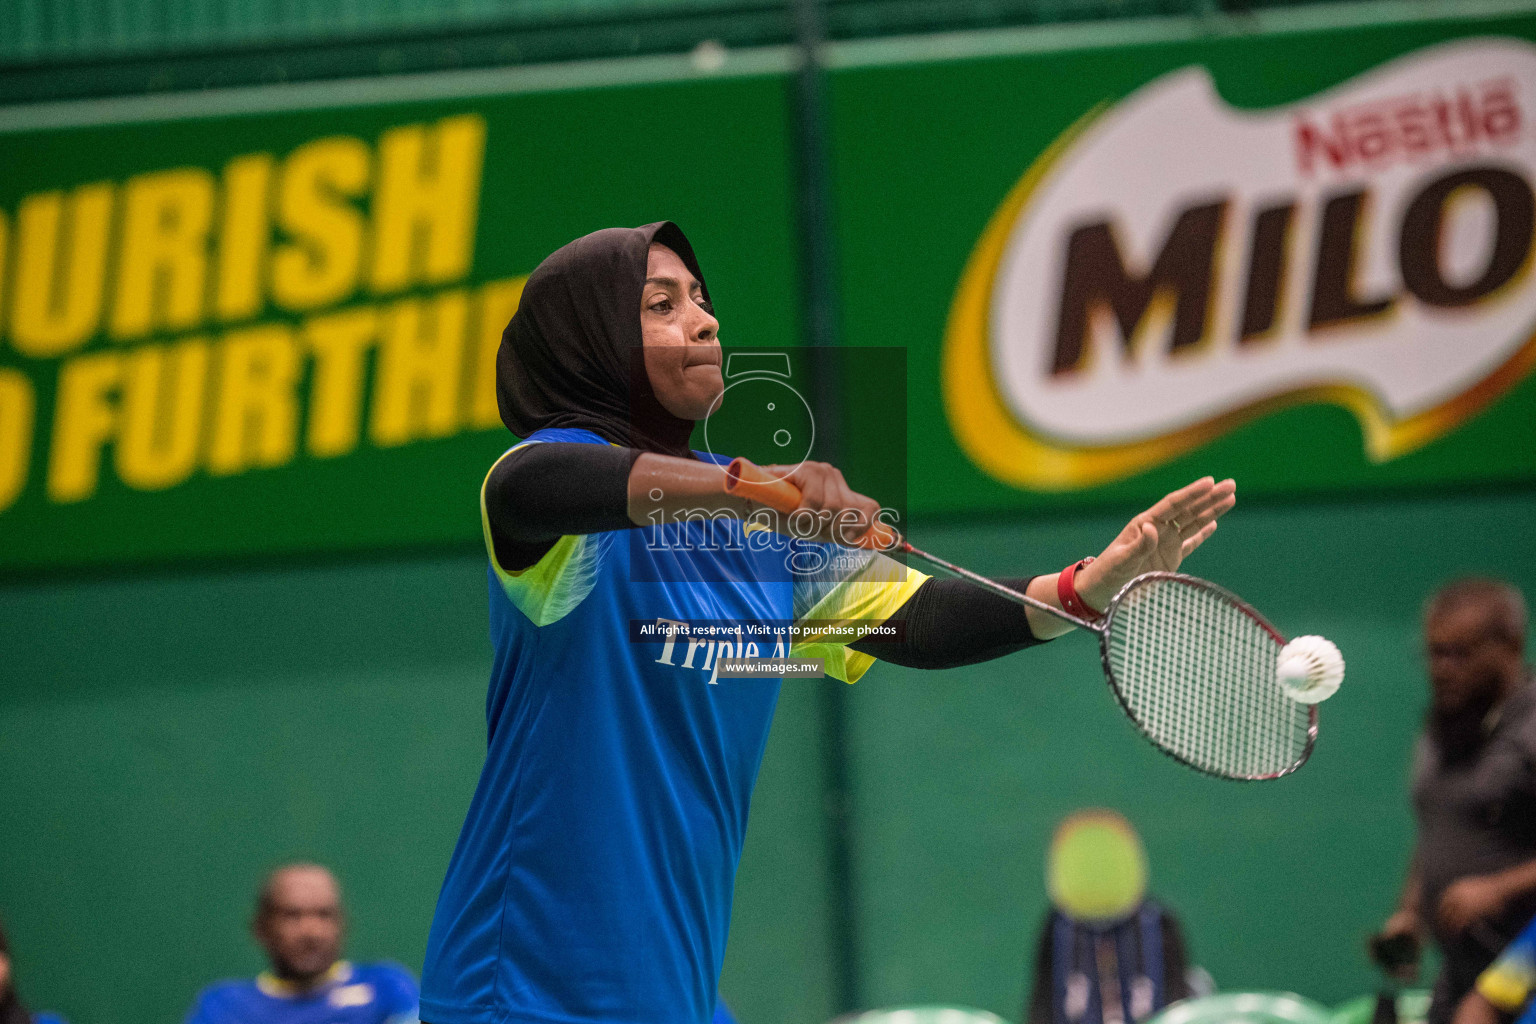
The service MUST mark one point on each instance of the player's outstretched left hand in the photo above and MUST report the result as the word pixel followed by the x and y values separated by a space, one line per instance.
pixel 1158 539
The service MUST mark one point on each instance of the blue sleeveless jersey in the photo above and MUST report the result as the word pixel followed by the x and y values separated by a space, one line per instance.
pixel 592 880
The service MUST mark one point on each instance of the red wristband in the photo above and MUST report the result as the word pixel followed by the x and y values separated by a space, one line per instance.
pixel 1071 600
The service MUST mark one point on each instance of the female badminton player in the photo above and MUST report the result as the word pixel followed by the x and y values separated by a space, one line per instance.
pixel 592 880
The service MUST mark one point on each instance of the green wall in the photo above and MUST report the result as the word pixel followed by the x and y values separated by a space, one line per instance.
pixel 962 776
pixel 165 738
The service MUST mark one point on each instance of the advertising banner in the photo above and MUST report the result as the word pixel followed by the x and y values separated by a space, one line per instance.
pixel 264 321
pixel 237 333
pixel 1303 261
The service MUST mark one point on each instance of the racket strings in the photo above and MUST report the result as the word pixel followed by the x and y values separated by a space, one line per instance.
pixel 1197 673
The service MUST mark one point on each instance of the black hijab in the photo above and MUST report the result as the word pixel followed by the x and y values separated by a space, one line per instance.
pixel 571 356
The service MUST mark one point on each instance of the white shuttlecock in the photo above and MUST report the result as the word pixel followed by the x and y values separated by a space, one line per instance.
pixel 1310 669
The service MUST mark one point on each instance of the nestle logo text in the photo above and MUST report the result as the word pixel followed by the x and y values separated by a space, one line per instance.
pixel 1462 120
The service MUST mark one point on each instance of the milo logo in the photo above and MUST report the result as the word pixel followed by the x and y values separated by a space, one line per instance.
pixel 1173 267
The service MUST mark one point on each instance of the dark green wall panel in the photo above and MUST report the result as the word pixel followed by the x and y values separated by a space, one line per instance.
pixel 961 777
pixel 163 740
pixel 44 30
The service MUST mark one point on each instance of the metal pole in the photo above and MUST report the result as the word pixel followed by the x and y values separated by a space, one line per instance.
pixel 818 279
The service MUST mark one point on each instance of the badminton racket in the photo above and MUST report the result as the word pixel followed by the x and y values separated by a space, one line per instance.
pixel 1191 664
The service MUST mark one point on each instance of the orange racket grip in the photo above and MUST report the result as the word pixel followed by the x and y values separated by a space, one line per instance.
pixel 755 484
pixel 752 482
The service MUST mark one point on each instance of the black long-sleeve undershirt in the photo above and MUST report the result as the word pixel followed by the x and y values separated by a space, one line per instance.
pixel 949 623
pixel 542 492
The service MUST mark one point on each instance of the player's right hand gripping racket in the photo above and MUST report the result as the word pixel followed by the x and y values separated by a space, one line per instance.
pixel 1192 665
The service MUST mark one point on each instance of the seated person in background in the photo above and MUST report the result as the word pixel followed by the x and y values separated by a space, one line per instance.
pixel 299 923
pixel 1503 991
pixel 1107 953
pixel 12 1009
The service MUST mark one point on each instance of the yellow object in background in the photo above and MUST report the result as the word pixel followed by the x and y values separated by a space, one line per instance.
pixel 1096 869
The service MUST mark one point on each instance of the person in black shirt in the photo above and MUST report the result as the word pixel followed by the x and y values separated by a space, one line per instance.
pixel 1471 882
